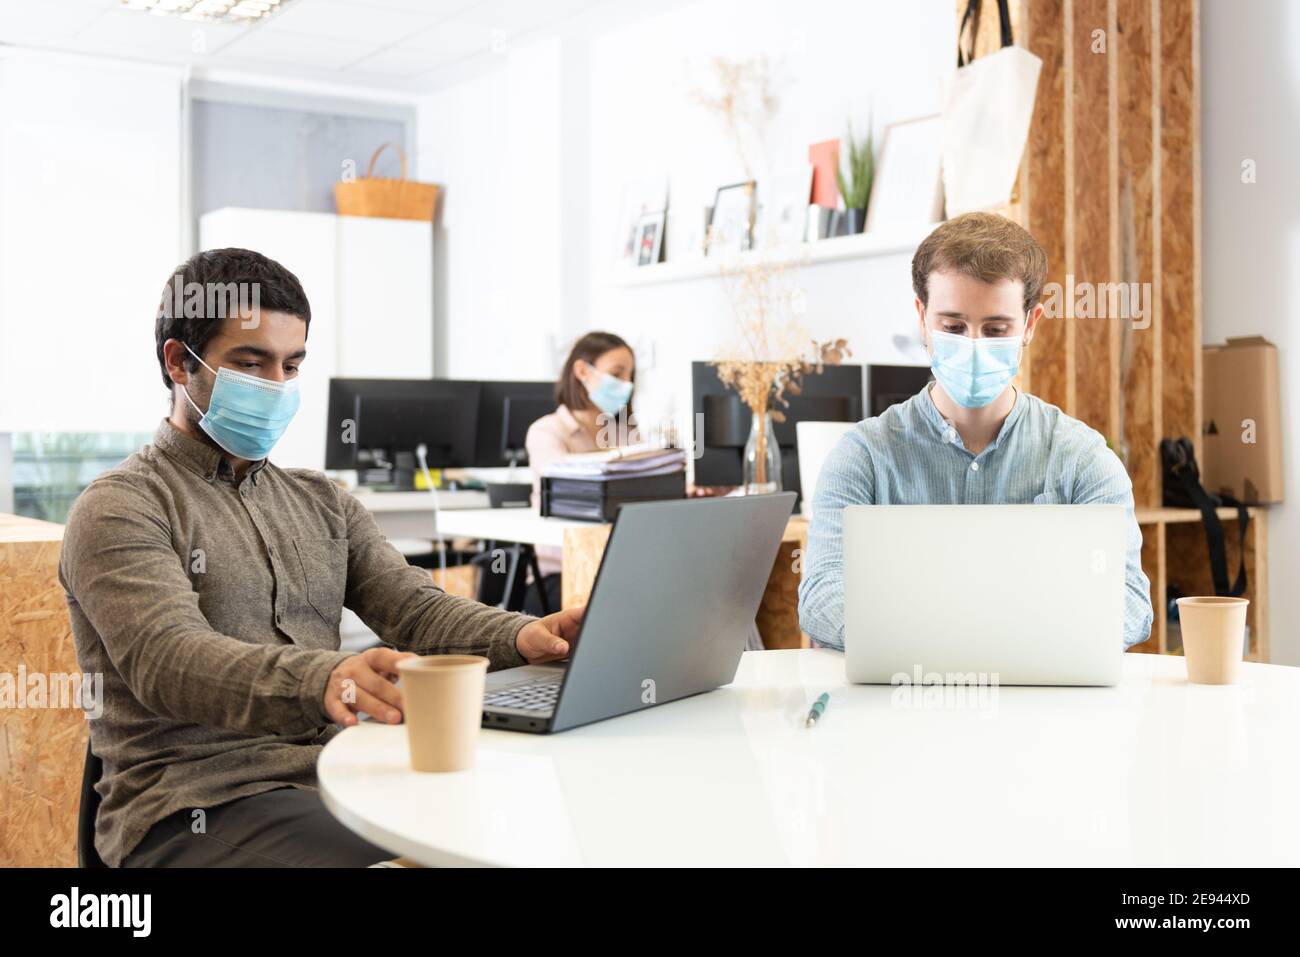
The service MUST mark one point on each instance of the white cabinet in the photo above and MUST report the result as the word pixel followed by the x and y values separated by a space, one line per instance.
pixel 385 293
pixel 370 286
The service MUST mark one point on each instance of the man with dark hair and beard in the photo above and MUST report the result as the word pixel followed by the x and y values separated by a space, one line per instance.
pixel 206 585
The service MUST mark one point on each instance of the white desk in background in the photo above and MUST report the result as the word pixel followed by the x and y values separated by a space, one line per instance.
pixel 1155 772
pixel 410 514
pixel 509 525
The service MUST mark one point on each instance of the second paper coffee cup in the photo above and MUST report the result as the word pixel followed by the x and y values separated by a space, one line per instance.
pixel 1214 632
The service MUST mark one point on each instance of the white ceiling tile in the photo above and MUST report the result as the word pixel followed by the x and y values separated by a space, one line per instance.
pixel 522 16
pixel 401 61
pixel 46 22
pixel 434 9
pixel 282 48
pixel 452 39
pixel 346 21
pixel 121 30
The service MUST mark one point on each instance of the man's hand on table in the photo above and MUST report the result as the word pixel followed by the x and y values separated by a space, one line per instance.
pixel 550 638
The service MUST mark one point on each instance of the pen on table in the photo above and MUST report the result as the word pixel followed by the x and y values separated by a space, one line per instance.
pixel 816 711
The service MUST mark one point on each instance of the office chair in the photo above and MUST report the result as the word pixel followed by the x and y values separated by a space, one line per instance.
pixel 87 856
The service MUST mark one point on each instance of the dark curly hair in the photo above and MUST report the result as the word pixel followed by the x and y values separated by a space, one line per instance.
pixel 221 275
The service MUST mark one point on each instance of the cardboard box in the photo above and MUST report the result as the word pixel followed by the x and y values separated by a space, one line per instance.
pixel 1243 421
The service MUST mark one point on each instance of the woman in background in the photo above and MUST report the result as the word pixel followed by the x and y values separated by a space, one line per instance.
pixel 594 399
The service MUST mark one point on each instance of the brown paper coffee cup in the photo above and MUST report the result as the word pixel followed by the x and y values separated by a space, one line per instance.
pixel 1214 632
pixel 442 700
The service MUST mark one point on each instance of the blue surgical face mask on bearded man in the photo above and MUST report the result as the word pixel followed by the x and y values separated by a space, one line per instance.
pixel 246 414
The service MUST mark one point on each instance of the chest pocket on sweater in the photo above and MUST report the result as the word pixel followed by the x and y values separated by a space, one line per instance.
pixel 325 573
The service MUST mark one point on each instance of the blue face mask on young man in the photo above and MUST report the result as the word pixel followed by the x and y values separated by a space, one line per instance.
pixel 610 393
pixel 974 371
pixel 246 414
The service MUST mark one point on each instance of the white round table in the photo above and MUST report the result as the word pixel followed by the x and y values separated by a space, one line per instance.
pixel 1155 772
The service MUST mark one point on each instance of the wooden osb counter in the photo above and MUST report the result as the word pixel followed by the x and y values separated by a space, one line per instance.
pixel 41 749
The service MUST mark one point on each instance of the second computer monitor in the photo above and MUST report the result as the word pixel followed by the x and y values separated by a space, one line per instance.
pixel 373 421
pixel 834 395
pixel 506 410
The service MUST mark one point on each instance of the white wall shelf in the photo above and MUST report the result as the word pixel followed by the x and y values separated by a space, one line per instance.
pixel 861 246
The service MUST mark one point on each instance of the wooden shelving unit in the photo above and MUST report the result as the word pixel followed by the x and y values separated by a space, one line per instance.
pixel 1110 186
pixel 1174 553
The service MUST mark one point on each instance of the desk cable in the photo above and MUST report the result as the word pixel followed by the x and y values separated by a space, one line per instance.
pixel 421 451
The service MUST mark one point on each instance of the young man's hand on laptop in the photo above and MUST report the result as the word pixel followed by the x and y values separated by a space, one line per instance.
pixel 549 638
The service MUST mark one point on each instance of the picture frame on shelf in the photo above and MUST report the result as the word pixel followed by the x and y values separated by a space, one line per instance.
pixel 907 191
pixel 731 224
pixel 650 238
pixel 783 216
pixel 640 199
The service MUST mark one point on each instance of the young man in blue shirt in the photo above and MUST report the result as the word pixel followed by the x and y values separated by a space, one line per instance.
pixel 969 437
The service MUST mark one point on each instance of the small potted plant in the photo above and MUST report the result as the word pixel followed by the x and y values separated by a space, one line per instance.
pixel 856 186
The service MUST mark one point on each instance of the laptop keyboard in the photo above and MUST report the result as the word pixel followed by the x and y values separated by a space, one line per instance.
pixel 536 695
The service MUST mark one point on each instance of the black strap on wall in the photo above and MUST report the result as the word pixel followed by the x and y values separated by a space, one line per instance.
pixel 1189 484
pixel 972 18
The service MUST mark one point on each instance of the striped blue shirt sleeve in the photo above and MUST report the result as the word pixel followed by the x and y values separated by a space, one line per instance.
pixel 1101 480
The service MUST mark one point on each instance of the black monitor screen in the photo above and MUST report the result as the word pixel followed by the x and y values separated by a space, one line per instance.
pixel 889 385
pixel 396 415
pixel 442 424
pixel 506 410
pixel 834 395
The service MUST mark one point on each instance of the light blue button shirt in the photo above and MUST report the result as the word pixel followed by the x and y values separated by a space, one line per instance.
pixel 912 455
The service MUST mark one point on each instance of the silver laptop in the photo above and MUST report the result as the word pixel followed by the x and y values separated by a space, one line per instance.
pixel 1018 594
pixel 677 590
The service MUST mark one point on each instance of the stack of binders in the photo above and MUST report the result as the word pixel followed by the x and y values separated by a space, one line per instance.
pixel 592 486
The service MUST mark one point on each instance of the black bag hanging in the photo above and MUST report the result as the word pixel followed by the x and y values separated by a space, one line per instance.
pixel 971 18
pixel 1183 489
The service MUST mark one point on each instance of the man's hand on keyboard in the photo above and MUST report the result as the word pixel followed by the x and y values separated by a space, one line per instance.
pixel 549 638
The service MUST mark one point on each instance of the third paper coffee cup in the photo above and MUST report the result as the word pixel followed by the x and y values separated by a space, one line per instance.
pixel 442 701
pixel 1214 633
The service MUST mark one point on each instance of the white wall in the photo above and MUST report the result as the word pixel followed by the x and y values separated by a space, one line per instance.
pixel 495 141
pixel 619 91
pixel 1250 109
pixel 835 62
pixel 90 225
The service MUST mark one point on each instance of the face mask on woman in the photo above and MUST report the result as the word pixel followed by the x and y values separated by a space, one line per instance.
pixel 610 393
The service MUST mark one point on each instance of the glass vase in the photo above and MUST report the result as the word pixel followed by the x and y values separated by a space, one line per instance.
pixel 762 457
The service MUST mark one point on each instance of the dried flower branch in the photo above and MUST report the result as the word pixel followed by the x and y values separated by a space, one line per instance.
pixel 772 351
pixel 741 93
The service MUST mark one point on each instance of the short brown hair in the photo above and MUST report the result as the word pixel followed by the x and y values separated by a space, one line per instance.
pixel 569 391
pixel 984 246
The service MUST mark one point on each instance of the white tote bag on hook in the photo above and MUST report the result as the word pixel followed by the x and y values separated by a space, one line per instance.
pixel 987 111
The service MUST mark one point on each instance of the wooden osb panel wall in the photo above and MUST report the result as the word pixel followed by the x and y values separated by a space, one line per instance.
pixel 41 749
pixel 1110 187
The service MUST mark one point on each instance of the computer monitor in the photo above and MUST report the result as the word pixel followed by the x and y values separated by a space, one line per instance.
pixel 506 410
pixel 889 385
pixel 834 395
pixel 375 425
